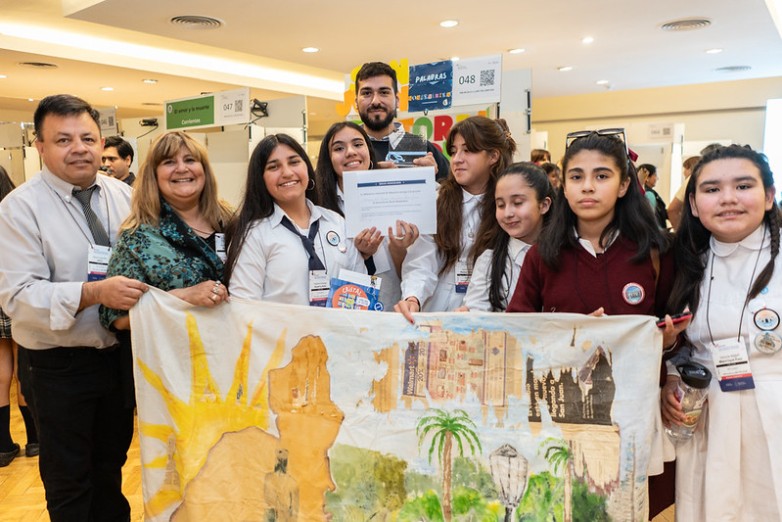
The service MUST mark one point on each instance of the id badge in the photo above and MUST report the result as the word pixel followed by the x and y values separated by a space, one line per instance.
pixel 463 273
pixel 732 364
pixel 98 262
pixel 319 287
pixel 220 246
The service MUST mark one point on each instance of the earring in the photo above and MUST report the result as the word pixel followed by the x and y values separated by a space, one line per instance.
pixel 311 184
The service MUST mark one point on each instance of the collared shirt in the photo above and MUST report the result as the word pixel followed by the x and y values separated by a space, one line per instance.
pixel 43 263
pixel 273 265
pixel 421 268
pixel 477 297
pixel 589 247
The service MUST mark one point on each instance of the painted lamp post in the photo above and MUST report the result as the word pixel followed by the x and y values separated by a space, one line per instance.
pixel 509 472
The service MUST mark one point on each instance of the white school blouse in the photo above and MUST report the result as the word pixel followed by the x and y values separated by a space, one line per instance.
pixel 420 270
pixel 477 297
pixel 273 265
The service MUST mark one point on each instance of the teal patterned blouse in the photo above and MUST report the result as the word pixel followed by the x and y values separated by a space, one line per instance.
pixel 167 257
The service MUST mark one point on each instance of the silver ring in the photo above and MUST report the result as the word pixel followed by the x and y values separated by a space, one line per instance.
pixel 215 291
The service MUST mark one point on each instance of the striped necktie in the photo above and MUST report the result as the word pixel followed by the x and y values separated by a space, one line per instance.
pixel 98 232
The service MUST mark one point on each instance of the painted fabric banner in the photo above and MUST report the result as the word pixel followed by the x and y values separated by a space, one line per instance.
pixel 260 411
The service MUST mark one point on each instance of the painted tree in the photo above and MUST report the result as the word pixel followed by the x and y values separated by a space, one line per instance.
pixel 558 453
pixel 446 428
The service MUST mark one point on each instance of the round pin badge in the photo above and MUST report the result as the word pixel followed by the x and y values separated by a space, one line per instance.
pixel 633 293
pixel 766 319
pixel 332 237
pixel 768 343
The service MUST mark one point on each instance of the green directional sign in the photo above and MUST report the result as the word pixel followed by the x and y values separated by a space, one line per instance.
pixel 194 112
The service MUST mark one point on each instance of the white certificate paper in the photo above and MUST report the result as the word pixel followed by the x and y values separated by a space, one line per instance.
pixel 377 198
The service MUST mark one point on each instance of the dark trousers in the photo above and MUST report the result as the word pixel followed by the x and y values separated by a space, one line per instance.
pixel 85 429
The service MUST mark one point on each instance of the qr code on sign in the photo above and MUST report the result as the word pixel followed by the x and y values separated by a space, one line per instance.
pixel 487 78
pixel 238 106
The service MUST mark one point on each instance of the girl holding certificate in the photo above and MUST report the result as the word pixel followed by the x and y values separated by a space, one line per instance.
pixel 730 275
pixel 522 198
pixel 437 270
pixel 282 247
pixel 346 147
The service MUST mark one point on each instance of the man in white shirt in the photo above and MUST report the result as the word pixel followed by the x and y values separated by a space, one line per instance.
pixel 56 231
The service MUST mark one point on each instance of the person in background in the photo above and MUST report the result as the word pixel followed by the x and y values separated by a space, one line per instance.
pixel 676 205
pixel 116 159
pixel 8 448
pixel 554 175
pixel 647 173
pixel 283 247
pixel 603 231
pixel 346 147
pixel 437 270
pixel 173 238
pixel 540 156
pixel 729 270
pixel 522 199
pixel 61 225
pixel 377 101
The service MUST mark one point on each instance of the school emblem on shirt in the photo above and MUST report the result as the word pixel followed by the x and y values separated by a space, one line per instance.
pixel 332 237
pixel 766 319
pixel 633 293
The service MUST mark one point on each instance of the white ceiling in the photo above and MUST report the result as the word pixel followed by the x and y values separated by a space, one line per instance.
pixel 629 50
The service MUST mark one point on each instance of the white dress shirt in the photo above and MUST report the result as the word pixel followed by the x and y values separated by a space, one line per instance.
pixel 273 265
pixel 478 292
pixel 43 261
pixel 420 270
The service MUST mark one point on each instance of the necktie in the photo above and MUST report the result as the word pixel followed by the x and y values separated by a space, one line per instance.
pixel 315 263
pixel 98 232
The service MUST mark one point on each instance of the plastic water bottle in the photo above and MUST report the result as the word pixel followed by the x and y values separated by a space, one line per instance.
pixel 692 393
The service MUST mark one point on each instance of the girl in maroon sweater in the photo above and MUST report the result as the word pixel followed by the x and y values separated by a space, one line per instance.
pixel 601 251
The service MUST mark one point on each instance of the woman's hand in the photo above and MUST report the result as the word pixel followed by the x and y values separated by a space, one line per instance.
pixel 408 307
pixel 209 293
pixel 671 331
pixel 367 241
pixel 404 236
pixel 670 406
pixel 600 312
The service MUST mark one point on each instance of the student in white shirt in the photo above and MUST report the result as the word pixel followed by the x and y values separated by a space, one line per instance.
pixel 346 147
pixel 522 198
pixel 283 248
pixel 436 271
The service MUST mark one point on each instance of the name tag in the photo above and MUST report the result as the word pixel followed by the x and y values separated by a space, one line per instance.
pixel 319 287
pixel 98 262
pixel 220 246
pixel 731 361
pixel 463 274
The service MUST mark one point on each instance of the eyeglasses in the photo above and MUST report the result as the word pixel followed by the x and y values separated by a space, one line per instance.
pixel 615 131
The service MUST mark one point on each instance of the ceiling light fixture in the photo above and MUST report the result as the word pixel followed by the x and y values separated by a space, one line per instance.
pixel 454 58
pixel 310 49
pixel 196 22
pixel 3 76
pixel 602 82
pixel 107 89
pixel 690 24
pixel 713 51
pixel 565 68
pixel 518 50
pixel 149 81
pixel 30 99
pixel 449 23
pixel 587 40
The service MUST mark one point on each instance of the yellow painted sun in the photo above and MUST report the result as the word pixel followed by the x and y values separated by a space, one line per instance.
pixel 199 423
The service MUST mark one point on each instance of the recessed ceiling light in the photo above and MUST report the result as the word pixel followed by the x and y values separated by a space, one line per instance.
pixel 716 50
pixel 686 25
pixel 449 23
pixel 518 50
pixel 310 49
pixel 565 68
pixel 3 76
pixel 587 40
pixel 602 82
pixel 454 58
pixel 107 89
pixel 30 99
pixel 150 81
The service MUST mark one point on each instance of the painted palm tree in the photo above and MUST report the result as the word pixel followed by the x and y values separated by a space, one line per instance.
pixel 446 428
pixel 558 453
